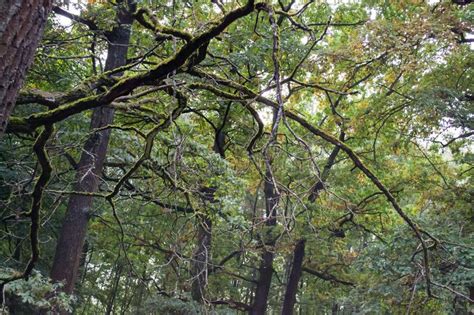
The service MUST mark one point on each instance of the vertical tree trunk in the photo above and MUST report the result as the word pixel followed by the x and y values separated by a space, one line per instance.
pixel 293 279
pixel 114 288
pixel 21 28
pixel 201 257
pixel 73 231
pixel 265 270
pixel 141 290
pixel 270 191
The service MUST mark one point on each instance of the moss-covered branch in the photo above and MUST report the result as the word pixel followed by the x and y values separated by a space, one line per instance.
pixel 37 196
pixel 146 18
pixel 128 84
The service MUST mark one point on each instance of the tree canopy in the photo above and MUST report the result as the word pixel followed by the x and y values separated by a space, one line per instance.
pixel 230 157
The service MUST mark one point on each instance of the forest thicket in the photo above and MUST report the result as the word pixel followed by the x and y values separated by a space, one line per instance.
pixel 236 156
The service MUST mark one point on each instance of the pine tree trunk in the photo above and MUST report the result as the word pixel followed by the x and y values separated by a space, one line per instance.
pixel 21 28
pixel 73 231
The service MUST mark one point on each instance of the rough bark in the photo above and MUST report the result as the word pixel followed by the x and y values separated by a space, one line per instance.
pixel 197 47
pixel 21 28
pixel 73 231
pixel 294 278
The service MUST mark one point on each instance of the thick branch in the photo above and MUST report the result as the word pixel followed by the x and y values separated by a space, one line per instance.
pixel 90 24
pixel 34 213
pixel 126 85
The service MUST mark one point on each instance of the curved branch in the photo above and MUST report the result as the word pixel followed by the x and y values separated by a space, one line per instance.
pixel 153 25
pixel 90 24
pixel 34 213
pixel 126 85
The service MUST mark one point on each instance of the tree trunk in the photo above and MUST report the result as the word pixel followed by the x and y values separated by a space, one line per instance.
pixel 73 231
pixel 265 270
pixel 293 279
pixel 114 289
pixel 21 28
pixel 201 259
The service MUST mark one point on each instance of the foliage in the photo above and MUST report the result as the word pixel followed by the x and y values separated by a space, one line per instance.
pixel 372 92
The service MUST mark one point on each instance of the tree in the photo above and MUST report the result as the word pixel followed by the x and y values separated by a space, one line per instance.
pixel 20 32
pixel 73 231
pixel 254 157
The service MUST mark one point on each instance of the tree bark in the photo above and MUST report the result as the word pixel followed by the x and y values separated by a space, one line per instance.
pixel 294 278
pixel 73 231
pixel 21 28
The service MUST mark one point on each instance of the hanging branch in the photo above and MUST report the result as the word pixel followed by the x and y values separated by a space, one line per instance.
pixel 34 213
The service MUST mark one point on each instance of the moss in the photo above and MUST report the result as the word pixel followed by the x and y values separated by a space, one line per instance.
pixel 18 124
